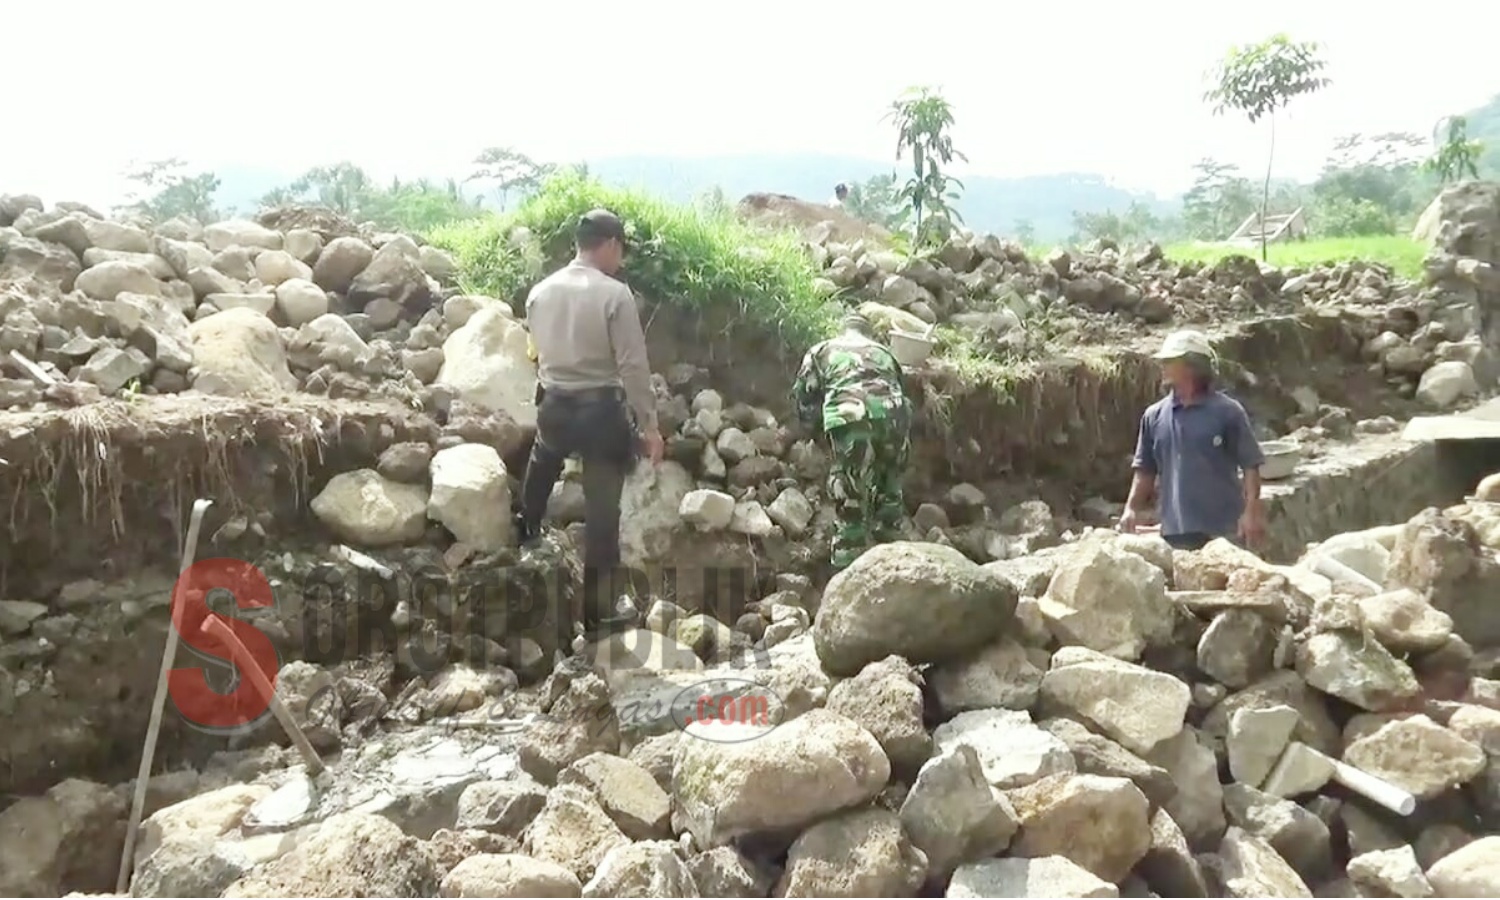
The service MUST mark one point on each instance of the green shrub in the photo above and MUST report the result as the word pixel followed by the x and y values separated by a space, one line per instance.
pixel 681 255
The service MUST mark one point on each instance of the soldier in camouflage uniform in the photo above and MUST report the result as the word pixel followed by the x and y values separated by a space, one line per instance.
pixel 852 386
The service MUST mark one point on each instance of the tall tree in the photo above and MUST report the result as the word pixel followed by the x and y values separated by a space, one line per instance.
pixel 876 200
pixel 167 192
pixel 347 189
pixel 923 119
pixel 511 170
pixel 1368 184
pixel 1137 223
pixel 1219 199
pixel 1257 80
pixel 342 187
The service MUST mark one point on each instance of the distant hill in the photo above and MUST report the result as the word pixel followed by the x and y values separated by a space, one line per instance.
pixel 989 204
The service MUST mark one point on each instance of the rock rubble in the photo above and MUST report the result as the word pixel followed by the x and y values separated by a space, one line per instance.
pixel 999 706
pixel 961 762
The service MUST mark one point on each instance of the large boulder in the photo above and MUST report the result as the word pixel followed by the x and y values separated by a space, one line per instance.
pixel 509 875
pixel 48 262
pixel 886 698
pixel 649 511
pixel 220 236
pixel 775 781
pixel 238 353
pixel 350 855
pixel 1101 823
pixel 1012 750
pixel 1137 706
pixel 822 862
pixel 395 273
pixel 1472 870
pixel 486 364
pixel 574 832
pixel 1048 876
pixel 69 838
pixel 645 869
pixel 339 262
pixel 954 815
pixel 925 602
pixel 1110 600
pixel 471 496
pixel 108 279
pixel 366 508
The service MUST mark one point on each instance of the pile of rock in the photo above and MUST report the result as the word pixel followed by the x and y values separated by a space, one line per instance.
pixel 300 299
pixel 972 279
pixel 1102 718
pixel 232 308
pixel 1425 339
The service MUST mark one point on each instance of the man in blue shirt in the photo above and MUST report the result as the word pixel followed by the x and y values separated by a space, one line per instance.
pixel 1193 445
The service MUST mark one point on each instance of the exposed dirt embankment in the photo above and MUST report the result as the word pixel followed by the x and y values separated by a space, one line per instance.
pixel 1074 420
pixel 99 490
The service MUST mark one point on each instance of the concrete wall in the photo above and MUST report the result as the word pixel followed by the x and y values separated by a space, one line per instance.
pixel 1379 481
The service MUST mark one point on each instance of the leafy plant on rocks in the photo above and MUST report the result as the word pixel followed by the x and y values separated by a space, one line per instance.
pixel 1457 156
pixel 923 120
pixel 681 255
pixel 1258 80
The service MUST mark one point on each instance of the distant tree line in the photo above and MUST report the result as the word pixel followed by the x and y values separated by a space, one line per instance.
pixel 164 189
pixel 1370 184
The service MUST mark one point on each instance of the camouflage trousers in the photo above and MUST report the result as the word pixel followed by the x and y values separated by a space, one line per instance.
pixel 869 459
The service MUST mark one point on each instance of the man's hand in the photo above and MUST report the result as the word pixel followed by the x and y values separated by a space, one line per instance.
pixel 1252 528
pixel 1129 521
pixel 656 448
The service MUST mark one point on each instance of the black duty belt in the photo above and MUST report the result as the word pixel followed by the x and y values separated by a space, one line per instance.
pixel 583 395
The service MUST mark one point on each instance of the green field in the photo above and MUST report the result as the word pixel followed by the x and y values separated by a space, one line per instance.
pixel 1402 254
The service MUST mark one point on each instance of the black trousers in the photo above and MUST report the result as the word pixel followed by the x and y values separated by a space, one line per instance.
pixel 596 426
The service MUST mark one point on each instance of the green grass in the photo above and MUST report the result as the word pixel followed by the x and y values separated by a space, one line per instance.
pixel 681 255
pixel 1402 254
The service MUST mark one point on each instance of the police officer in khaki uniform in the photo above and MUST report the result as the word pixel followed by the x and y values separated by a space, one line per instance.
pixel 594 402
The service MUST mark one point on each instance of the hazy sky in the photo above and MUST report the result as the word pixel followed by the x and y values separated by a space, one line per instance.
pixel 419 88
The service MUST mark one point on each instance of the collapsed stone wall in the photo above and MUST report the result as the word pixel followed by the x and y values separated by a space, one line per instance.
pixel 737 494
pixel 1102 718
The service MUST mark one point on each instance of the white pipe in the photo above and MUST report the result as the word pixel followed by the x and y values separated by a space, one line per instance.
pixel 1337 571
pixel 1372 788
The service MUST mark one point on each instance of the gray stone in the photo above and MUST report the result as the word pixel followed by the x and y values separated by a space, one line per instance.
pixel 1300 837
pixel 1000 675
pixel 1012 750
pixel 924 602
pixel 1417 755
pixel 1360 671
pixel 1050 876
pixel 953 814
pixel 1134 705
pixel 886 698
pixel 1237 648
pixel 1257 737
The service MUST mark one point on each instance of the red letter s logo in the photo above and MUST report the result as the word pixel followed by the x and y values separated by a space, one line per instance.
pixel 191 693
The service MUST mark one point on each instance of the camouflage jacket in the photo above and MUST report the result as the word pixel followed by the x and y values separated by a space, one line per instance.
pixel 848 379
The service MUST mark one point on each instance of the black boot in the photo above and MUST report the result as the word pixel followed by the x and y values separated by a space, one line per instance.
pixel 528 536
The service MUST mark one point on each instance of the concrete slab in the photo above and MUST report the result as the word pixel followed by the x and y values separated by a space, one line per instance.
pixel 1478 424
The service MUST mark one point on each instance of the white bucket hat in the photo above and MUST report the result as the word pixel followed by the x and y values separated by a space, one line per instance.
pixel 1182 343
